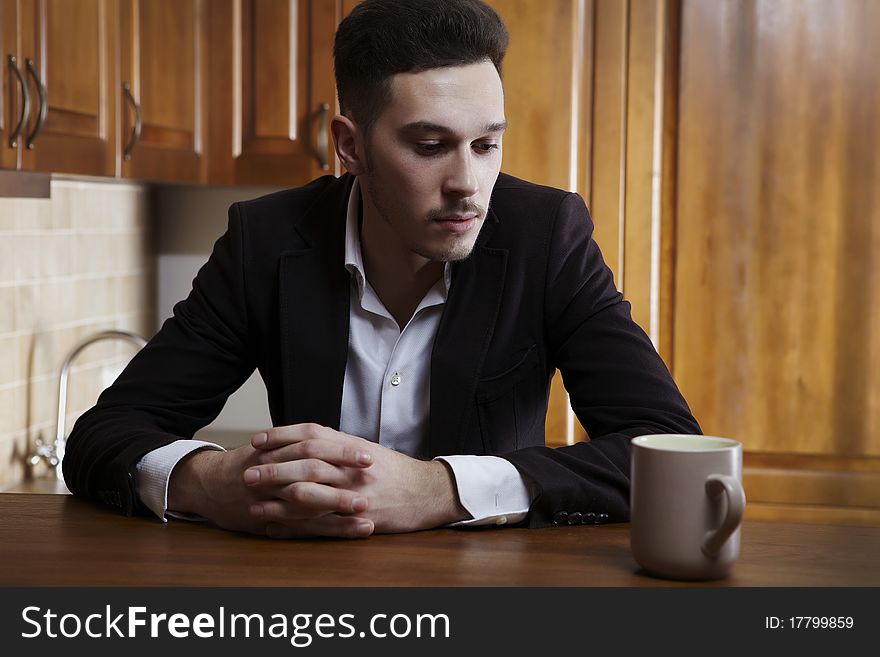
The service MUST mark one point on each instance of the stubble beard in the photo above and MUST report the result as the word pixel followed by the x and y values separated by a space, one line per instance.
pixel 461 247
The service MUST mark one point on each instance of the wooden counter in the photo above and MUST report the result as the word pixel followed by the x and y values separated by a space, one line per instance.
pixel 60 540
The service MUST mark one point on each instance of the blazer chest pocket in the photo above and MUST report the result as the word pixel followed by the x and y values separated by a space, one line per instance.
pixel 504 403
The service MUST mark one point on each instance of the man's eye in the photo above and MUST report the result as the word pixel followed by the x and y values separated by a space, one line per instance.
pixel 429 148
pixel 486 148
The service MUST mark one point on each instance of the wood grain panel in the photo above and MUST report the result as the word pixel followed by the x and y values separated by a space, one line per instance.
pixel 274 22
pixel 648 228
pixel 777 285
pixel 73 93
pixel 784 486
pixel 778 230
pixel 633 168
pixel 611 30
pixel 269 87
pixel 73 123
pixel 163 53
pixel 669 180
pixel 143 552
pixel 641 168
pixel 586 78
pixel 73 47
pixel 173 138
pixel 10 98
pixel 276 57
pixel 538 91
pixel 817 515
pixel 168 53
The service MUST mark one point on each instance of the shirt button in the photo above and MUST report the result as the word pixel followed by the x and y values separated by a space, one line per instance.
pixel 395 379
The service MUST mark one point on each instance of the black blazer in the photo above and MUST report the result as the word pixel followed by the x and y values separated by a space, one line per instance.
pixel 535 295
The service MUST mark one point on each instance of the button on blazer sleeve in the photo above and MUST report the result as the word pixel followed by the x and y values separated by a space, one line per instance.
pixel 174 386
pixel 618 384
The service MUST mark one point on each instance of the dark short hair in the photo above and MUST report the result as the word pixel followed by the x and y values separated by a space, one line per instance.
pixel 381 38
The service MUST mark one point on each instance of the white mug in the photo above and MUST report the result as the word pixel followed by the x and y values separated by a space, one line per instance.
pixel 686 505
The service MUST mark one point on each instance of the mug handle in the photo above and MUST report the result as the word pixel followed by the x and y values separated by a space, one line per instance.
pixel 716 485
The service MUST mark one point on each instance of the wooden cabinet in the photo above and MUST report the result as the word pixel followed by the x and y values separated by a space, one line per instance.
pixel 66 55
pixel 272 92
pixel 162 93
pixel 731 174
pixel 777 290
pixel 13 81
pixel 114 87
pixel 128 88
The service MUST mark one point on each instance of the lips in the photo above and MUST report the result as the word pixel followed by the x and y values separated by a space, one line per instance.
pixel 458 223
pixel 459 217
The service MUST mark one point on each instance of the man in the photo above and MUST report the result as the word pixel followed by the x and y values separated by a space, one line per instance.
pixel 414 308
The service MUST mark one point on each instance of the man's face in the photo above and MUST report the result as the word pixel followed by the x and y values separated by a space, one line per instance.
pixel 432 159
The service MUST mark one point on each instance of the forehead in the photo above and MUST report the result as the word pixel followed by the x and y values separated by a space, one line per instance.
pixel 464 98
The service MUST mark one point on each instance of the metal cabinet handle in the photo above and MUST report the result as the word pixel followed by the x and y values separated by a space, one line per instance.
pixel 324 136
pixel 136 132
pixel 25 106
pixel 44 103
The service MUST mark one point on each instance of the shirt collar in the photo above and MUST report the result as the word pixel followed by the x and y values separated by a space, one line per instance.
pixel 354 261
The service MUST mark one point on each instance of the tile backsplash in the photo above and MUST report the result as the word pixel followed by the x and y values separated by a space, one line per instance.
pixel 77 263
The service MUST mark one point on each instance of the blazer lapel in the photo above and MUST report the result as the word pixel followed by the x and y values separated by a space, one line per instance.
pixel 461 344
pixel 314 291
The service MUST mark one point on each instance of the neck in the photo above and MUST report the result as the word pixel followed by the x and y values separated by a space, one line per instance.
pixel 400 277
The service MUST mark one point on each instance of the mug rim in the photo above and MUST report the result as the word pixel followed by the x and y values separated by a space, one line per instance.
pixel 726 443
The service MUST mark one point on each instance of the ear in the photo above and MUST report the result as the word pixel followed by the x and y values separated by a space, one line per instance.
pixel 349 144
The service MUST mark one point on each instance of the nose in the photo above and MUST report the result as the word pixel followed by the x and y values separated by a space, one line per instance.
pixel 461 180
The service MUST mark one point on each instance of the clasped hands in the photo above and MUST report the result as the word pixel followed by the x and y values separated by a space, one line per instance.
pixel 309 480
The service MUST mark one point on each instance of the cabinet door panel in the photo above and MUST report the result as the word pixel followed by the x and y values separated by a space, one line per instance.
pixel 69 49
pixel 273 92
pixel 11 99
pixel 271 74
pixel 167 75
pixel 777 293
pixel 162 63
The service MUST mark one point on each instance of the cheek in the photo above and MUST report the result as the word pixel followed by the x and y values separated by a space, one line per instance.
pixel 418 187
pixel 406 173
pixel 488 177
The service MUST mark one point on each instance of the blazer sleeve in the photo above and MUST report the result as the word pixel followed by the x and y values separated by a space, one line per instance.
pixel 174 386
pixel 618 385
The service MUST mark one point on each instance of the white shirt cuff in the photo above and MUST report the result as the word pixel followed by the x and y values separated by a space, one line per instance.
pixel 490 488
pixel 154 472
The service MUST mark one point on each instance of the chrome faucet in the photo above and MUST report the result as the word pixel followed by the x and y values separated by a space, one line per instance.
pixel 53 453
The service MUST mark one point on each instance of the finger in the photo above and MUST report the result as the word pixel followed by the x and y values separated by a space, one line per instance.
pixel 292 433
pixel 352 454
pixel 289 472
pixel 329 525
pixel 307 500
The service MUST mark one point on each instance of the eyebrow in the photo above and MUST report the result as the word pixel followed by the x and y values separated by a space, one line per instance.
pixel 427 126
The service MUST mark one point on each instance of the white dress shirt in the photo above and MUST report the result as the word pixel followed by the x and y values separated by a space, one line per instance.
pixel 385 398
